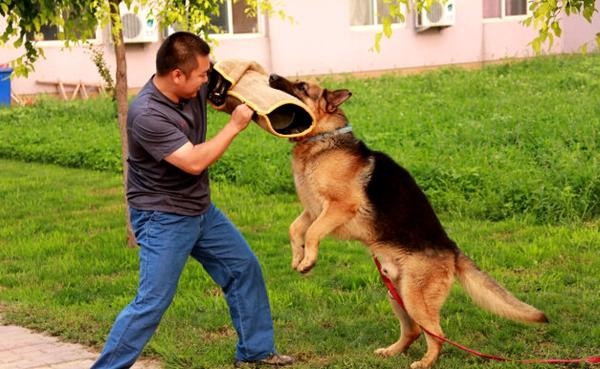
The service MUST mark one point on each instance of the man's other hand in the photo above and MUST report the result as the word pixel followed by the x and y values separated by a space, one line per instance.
pixel 241 116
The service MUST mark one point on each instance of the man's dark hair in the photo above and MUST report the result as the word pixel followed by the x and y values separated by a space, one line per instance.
pixel 179 51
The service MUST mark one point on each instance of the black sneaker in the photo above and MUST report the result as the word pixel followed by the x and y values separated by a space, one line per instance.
pixel 273 360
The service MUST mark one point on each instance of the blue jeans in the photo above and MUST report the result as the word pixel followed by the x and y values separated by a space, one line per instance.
pixel 166 240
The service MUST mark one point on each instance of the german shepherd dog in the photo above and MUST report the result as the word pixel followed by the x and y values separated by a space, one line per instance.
pixel 353 192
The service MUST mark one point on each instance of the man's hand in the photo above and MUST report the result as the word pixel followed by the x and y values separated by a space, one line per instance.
pixel 240 117
pixel 194 159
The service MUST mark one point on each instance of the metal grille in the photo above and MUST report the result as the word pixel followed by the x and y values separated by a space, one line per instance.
pixel 132 26
pixel 435 13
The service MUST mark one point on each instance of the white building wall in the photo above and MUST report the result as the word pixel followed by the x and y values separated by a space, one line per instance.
pixel 321 41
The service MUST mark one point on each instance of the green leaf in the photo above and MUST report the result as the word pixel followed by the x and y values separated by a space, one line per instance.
pixel 536 44
pixel 377 45
pixel 588 12
pixel 387 26
pixel 550 40
pixel 556 28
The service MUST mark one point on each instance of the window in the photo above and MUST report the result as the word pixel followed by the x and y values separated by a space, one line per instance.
pixel 51 32
pixel 369 12
pixel 46 33
pixel 232 18
pixel 504 8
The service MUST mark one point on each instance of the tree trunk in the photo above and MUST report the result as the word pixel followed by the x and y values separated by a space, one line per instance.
pixel 121 100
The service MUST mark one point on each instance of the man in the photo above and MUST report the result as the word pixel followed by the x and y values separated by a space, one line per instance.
pixel 172 215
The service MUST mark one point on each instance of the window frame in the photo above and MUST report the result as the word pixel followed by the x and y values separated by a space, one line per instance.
pixel 507 18
pixel 260 24
pixel 376 25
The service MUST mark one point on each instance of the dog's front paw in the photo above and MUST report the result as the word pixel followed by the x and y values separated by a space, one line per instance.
pixel 296 259
pixel 297 254
pixel 305 265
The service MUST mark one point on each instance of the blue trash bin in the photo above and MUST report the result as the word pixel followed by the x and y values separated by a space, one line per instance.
pixel 5 85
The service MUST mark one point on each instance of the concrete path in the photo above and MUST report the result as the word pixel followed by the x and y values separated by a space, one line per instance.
pixel 21 348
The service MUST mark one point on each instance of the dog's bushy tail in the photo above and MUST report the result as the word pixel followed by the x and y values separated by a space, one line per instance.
pixel 488 294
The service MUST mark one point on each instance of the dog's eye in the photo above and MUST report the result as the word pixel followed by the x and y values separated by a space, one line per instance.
pixel 302 86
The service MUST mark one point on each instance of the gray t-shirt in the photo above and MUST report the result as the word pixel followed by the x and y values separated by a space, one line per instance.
pixel 156 127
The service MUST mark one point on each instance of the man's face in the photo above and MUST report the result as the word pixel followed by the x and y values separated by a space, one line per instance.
pixel 188 86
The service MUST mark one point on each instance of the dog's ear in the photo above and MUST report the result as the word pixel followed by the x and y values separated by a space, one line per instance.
pixel 336 98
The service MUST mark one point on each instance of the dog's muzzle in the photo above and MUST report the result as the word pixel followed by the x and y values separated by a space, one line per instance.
pixel 217 88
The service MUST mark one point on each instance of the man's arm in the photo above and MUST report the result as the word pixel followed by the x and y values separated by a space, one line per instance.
pixel 193 159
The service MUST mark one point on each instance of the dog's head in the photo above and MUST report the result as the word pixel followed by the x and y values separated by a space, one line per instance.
pixel 323 103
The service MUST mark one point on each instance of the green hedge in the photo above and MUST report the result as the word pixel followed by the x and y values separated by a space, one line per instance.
pixel 508 140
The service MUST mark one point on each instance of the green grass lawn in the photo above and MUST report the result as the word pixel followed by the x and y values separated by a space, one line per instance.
pixel 509 156
pixel 65 270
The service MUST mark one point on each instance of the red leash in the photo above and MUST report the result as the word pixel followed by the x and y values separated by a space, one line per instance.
pixel 392 289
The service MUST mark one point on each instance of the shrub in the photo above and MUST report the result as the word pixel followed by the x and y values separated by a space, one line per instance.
pixel 507 140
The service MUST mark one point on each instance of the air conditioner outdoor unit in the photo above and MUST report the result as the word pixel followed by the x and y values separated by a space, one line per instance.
pixel 440 14
pixel 138 27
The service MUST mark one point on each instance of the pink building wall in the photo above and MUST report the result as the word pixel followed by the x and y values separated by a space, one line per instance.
pixel 327 44
pixel 578 32
pixel 321 41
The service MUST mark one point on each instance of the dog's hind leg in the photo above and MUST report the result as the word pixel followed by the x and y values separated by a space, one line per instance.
pixel 423 297
pixel 297 231
pixel 409 331
pixel 333 215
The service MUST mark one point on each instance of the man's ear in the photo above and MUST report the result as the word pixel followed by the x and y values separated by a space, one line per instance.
pixel 336 98
pixel 177 76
